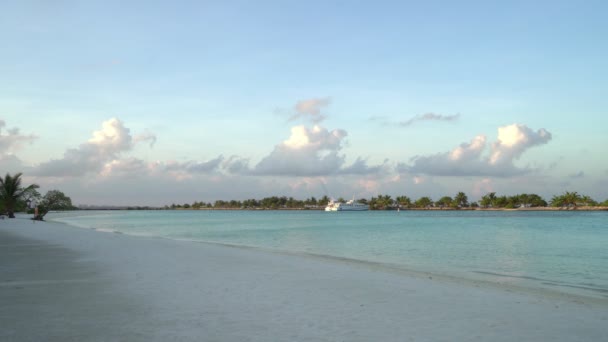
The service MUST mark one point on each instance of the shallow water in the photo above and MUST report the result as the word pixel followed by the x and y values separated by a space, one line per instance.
pixel 559 251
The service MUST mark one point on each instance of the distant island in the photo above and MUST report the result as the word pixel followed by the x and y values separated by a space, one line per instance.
pixel 17 198
pixel 490 201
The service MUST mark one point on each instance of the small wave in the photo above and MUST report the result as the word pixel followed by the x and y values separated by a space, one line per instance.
pixel 585 286
pixel 595 289
pixel 106 230
pixel 511 276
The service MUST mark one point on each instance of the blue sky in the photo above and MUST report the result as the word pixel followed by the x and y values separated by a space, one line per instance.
pixel 189 90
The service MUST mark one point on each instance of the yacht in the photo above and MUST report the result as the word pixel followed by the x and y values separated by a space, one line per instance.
pixel 348 206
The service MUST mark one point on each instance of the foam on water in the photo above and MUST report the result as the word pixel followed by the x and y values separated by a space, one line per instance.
pixel 557 251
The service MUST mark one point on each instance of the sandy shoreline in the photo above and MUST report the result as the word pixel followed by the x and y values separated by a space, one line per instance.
pixel 63 283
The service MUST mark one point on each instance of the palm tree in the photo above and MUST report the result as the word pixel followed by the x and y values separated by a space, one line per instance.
pixel 522 200
pixel 403 201
pixel 588 201
pixel 461 200
pixel 536 201
pixel 11 192
pixel 362 200
pixel 568 199
pixel 384 202
pixel 572 198
pixel 488 200
pixel 444 201
pixel 424 202
pixel 323 201
pixel 500 201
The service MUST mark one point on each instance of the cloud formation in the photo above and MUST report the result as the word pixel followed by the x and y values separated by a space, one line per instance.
pixel 360 167
pixel 236 165
pixel 147 136
pixel 429 117
pixel 307 152
pixel 310 161
pixel 311 109
pixel 103 148
pixel 418 118
pixel 310 152
pixel 10 163
pixel 128 167
pixel 513 140
pixel 195 167
pixel 12 140
pixel 468 158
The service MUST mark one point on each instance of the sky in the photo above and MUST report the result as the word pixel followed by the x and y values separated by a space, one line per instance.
pixel 160 102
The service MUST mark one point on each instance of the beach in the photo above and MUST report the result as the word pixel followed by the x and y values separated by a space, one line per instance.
pixel 61 283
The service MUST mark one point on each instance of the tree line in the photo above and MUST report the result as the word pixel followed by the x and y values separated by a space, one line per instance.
pixel 14 197
pixel 386 202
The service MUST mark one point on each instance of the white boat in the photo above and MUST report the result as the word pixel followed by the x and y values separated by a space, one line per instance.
pixel 348 206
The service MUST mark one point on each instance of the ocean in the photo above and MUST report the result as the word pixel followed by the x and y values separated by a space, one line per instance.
pixel 557 251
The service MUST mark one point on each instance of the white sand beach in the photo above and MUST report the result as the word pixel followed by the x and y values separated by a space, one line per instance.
pixel 60 283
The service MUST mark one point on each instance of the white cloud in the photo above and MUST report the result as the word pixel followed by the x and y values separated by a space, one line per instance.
pixel 195 167
pixel 310 152
pixel 311 161
pixel 311 109
pixel 468 159
pixel 470 151
pixel 307 152
pixel 360 167
pixel 429 117
pixel 97 155
pixel 513 140
pixel 418 118
pixel 235 165
pixel 112 137
pixel 147 136
pixel 12 140
pixel 128 167
pixel 11 164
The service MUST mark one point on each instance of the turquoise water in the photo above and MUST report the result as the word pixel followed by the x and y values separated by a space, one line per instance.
pixel 559 251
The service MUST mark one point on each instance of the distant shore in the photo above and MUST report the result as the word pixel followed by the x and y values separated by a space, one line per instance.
pixel 546 209
pixel 586 208
pixel 581 208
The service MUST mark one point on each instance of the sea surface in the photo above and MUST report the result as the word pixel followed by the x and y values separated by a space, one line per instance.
pixel 562 252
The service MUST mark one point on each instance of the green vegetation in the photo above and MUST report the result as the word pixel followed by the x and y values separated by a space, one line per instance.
pixel 386 202
pixel 461 200
pixel 573 200
pixel 382 202
pixel 445 201
pixel 273 202
pixel 490 200
pixel 423 202
pixel 15 198
pixel 53 200
pixel 403 201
